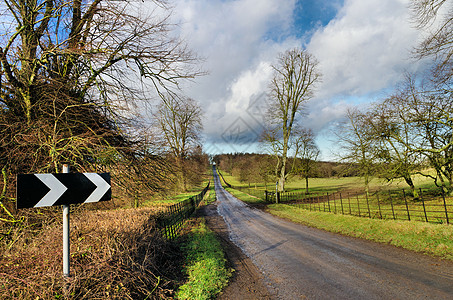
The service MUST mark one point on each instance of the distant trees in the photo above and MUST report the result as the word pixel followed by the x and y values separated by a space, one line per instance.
pixel 292 85
pixel 250 168
pixel 255 168
pixel 179 122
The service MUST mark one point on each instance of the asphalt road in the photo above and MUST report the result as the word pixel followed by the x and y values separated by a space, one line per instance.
pixel 300 262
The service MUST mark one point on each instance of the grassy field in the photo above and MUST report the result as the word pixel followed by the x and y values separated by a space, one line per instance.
pixel 347 196
pixel 245 197
pixel 331 184
pixel 295 184
pixel 385 205
pixel 210 195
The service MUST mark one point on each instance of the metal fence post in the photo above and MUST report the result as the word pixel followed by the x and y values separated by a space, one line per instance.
pixel 328 202
pixel 334 204
pixel 358 204
pixel 349 202
pixel 445 206
pixel 423 203
pixel 66 240
pixel 379 205
pixel 407 206
pixel 368 205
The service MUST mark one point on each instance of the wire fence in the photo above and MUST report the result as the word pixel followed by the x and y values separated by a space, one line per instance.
pixel 171 220
pixel 431 206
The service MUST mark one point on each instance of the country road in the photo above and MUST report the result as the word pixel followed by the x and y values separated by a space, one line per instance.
pixel 299 262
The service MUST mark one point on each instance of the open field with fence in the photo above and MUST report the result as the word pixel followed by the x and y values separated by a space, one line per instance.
pixel 347 196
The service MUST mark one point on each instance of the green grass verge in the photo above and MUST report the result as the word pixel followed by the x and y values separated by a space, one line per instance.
pixel 211 196
pixel 245 197
pixel 206 269
pixel 432 239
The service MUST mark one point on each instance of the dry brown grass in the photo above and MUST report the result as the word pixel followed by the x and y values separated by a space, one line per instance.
pixel 115 254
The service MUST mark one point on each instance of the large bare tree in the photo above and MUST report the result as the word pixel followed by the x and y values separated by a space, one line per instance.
pixel 293 83
pixel 69 71
pixel 70 74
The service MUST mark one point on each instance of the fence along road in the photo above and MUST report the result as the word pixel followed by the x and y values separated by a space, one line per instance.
pixel 299 262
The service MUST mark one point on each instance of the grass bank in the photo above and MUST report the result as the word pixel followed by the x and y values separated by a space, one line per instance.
pixel 432 239
pixel 245 197
pixel 205 265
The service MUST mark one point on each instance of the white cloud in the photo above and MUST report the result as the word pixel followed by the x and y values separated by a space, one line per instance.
pixel 236 38
pixel 366 48
pixel 249 83
pixel 362 51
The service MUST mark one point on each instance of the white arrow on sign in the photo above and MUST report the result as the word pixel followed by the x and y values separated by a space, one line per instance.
pixel 56 190
pixel 101 187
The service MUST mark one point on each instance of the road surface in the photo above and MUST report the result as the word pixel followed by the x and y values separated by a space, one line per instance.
pixel 299 262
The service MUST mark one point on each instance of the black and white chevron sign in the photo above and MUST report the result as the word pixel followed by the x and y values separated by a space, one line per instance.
pixel 38 190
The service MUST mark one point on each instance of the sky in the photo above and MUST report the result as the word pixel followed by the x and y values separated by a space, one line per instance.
pixel 363 48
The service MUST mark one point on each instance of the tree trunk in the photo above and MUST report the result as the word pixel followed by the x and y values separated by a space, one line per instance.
pixel 367 185
pixel 410 183
pixel 282 178
pixel 281 183
pixel 180 178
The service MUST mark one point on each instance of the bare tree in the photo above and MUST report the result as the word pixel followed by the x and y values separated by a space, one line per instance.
pixel 395 134
pixel 292 85
pixel 427 115
pixel 308 153
pixel 357 145
pixel 70 74
pixel 67 70
pixel 436 16
pixel 180 122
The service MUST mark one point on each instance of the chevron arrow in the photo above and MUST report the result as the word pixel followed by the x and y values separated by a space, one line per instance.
pixel 38 190
pixel 101 187
pixel 57 189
